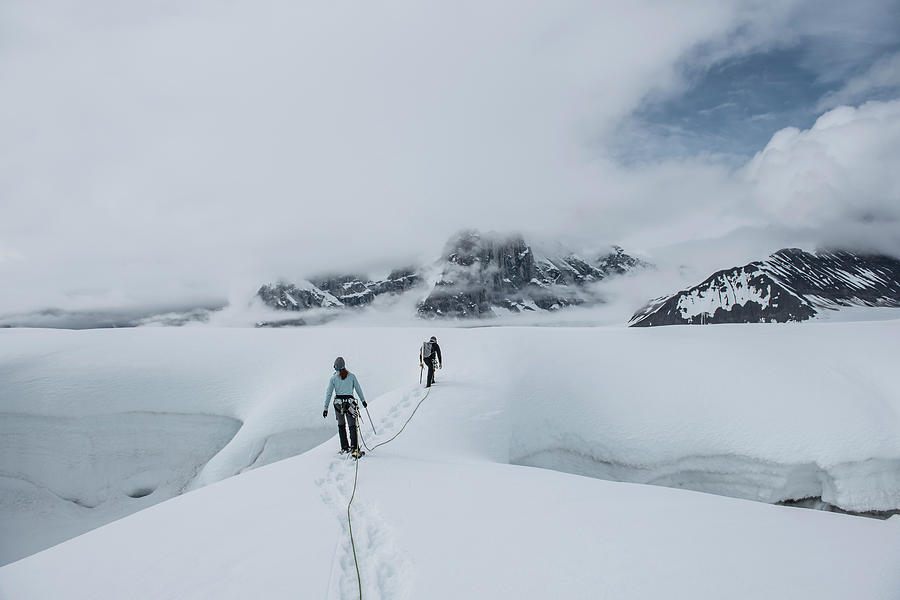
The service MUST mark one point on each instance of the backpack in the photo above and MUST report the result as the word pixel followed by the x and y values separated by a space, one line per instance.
pixel 426 350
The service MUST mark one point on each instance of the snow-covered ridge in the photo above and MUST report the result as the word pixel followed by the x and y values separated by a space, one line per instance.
pixel 790 285
pixel 717 409
pixel 752 412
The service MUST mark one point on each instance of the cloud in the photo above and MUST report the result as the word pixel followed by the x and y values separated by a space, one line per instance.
pixel 839 176
pixel 168 148
pixel 883 76
pixel 780 62
pixel 839 37
pixel 167 152
pixel 833 185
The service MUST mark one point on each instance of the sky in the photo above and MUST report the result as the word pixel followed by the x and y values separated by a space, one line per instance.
pixel 173 153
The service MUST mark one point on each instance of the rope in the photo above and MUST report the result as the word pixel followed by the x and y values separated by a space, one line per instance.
pixel 356 479
pixel 359 429
pixel 350 523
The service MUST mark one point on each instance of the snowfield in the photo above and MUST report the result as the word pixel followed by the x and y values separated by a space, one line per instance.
pixel 98 424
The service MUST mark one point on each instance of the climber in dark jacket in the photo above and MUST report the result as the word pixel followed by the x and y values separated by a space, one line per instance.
pixel 428 354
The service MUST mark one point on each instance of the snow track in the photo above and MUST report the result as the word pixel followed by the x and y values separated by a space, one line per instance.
pixel 381 566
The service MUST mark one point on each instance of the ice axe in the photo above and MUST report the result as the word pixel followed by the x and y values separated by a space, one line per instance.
pixel 371 422
pixel 421 366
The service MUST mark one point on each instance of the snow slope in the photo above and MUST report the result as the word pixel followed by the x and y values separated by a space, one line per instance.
pixel 754 411
pixel 82 412
pixel 435 517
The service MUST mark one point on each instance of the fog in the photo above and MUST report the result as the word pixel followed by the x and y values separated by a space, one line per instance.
pixel 163 154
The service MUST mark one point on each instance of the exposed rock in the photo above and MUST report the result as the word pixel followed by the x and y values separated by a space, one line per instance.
pixel 352 290
pixel 790 285
pixel 287 296
pixel 816 503
pixel 484 273
pixel 618 262
pixel 480 275
pixel 284 323
pixel 335 292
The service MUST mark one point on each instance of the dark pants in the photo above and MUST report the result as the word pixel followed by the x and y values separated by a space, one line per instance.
pixel 429 362
pixel 346 415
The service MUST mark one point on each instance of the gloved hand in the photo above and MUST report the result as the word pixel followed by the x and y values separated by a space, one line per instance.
pixel 441 366
pixel 324 413
pixel 364 404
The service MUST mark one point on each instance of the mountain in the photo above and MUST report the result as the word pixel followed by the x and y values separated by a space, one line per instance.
pixel 336 292
pixel 481 275
pixel 790 285
pixel 55 318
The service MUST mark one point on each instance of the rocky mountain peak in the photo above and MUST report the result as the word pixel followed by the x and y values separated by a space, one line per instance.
pixel 486 274
pixel 480 275
pixel 505 260
pixel 789 285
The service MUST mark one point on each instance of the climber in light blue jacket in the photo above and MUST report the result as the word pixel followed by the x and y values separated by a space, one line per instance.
pixel 342 384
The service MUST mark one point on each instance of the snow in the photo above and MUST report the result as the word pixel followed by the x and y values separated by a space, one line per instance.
pixel 529 305
pixel 735 287
pixel 327 298
pixel 856 313
pixel 732 292
pixel 750 411
pixel 67 467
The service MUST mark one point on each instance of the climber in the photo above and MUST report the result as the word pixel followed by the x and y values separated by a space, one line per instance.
pixel 428 355
pixel 342 384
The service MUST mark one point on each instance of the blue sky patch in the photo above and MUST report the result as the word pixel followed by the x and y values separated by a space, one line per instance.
pixel 733 108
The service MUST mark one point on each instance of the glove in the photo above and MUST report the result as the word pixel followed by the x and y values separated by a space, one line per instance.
pixel 441 366
pixel 324 413
pixel 364 404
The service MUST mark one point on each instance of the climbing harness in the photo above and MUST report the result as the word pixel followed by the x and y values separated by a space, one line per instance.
pixel 356 477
